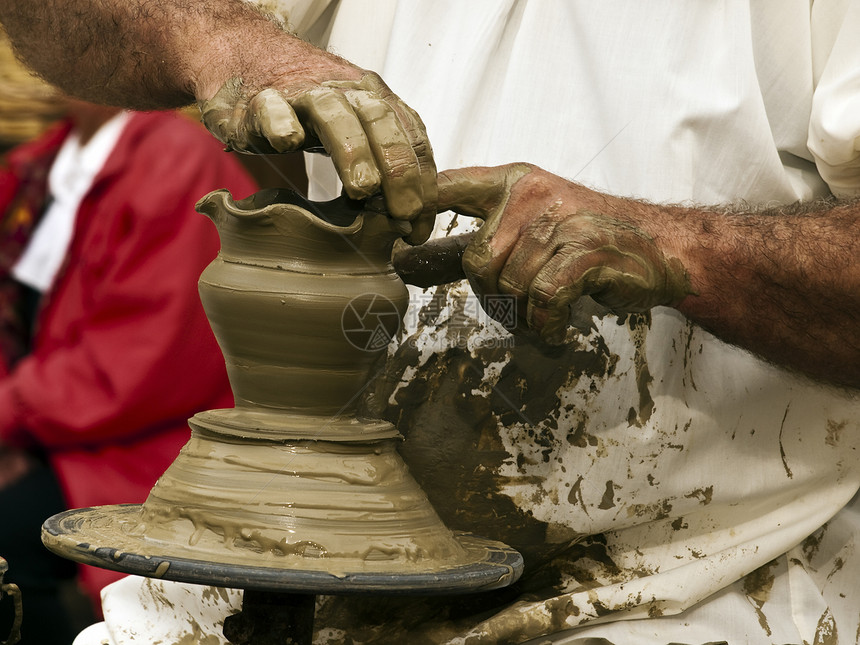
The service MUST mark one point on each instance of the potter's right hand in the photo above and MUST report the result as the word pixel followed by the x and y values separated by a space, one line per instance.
pixel 375 140
pixel 547 242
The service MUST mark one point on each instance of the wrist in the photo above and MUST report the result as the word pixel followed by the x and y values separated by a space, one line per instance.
pixel 677 234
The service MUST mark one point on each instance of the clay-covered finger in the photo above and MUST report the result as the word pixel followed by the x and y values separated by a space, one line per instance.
pixel 422 226
pixel 474 191
pixel 481 192
pixel 416 134
pixel 271 118
pixel 478 191
pixel 233 119
pixel 219 122
pixel 555 286
pixel 392 149
pixel 222 114
pixel 471 191
pixel 484 192
pixel 332 119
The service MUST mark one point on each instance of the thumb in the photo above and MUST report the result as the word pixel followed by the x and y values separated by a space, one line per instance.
pixel 476 191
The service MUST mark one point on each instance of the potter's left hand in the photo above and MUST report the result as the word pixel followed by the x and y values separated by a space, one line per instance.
pixel 547 242
pixel 375 140
pixel 261 88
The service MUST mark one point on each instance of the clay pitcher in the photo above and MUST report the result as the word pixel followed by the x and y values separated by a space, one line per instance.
pixel 292 489
pixel 302 298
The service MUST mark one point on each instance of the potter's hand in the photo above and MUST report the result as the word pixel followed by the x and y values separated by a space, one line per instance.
pixel 547 242
pixel 260 88
pixel 374 139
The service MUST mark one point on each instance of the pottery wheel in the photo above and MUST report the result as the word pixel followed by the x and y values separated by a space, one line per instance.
pixel 97 536
pixel 291 493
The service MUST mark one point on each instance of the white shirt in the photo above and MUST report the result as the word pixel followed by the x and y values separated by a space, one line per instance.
pixel 71 176
pixel 704 103
pixel 702 463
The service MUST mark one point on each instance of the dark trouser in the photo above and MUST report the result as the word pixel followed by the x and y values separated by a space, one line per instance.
pixel 42 577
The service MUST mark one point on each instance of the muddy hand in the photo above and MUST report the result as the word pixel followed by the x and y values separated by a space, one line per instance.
pixel 374 139
pixel 547 242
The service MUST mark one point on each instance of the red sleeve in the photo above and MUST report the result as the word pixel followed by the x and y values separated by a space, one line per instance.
pixel 139 354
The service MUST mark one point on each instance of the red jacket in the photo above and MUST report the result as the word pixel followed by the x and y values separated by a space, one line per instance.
pixel 123 353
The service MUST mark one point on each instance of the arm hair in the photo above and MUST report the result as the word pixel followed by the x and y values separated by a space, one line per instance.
pixel 783 283
pixel 149 54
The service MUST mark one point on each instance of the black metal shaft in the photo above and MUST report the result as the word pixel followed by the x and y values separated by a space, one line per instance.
pixel 270 618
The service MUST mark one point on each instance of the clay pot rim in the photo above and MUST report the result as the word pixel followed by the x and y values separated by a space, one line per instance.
pixel 275 210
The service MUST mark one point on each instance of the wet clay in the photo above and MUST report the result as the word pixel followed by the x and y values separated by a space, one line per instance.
pixel 428 265
pixel 312 505
pixel 292 478
pixel 293 489
pixel 276 296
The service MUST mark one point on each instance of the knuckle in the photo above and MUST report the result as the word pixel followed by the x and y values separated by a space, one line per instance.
pixel 542 292
pixel 512 285
pixel 400 162
pixel 545 287
pixel 371 108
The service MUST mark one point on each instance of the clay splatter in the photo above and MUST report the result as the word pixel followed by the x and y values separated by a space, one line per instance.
pixel 834 430
pixel 704 495
pixel 608 500
pixel 757 587
pixel 638 324
pixel 781 449
pixel 826 632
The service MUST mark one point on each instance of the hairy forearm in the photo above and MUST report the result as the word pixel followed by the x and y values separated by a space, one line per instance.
pixel 260 89
pixel 782 283
pixel 150 54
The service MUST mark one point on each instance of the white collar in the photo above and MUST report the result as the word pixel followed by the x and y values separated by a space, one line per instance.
pixel 71 176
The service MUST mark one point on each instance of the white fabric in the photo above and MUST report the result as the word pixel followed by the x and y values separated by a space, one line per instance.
pixel 728 463
pixel 784 603
pixel 834 133
pixel 70 177
pixel 144 610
